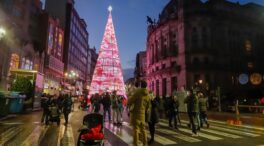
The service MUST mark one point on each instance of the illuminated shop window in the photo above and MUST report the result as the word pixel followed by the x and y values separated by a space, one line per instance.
pixel 248 46
pixel 14 63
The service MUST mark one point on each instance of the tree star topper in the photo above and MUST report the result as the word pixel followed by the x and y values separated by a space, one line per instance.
pixel 110 8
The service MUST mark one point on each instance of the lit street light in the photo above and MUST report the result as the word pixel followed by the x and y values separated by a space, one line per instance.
pixel 2 32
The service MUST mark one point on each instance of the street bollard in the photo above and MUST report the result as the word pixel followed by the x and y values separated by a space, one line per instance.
pixel 237 121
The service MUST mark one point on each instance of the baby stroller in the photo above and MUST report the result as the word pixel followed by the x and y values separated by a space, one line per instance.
pixel 54 114
pixel 92 132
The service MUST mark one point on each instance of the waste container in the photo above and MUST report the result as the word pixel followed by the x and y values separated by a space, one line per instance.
pixel 4 106
pixel 16 102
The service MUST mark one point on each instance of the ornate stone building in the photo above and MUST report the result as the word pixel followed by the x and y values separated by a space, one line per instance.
pixel 206 44
pixel 141 66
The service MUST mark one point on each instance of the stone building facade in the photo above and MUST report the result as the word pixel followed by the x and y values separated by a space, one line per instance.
pixel 141 66
pixel 206 44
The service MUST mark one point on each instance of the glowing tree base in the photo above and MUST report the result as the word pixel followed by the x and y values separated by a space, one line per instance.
pixel 108 73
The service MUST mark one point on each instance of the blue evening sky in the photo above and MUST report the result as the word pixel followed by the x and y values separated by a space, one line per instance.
pixel 129 17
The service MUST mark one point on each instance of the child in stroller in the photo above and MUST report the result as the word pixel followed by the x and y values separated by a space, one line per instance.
pixel 92 132
pixel 54 114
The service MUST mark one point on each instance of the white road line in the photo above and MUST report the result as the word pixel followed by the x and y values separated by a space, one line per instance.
pixel 221 133
pixel 190 132
pixel 237 128
pixel 60 136
pixel 160 139
pixel 34 137
pixel 239 132
pixel 244 126
pixel 71 141
pixel 231 131
pixel 9 134
pixel 178 135
pixel 217 132
pixel 235 131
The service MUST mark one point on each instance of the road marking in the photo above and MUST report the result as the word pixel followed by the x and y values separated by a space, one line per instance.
pixel 11 123
pixel 160 139
pixel 217 132
pixel 60 136
pixel 34 137
pixel 178 135
pixel 9 134
pixel 235 131
pixel 238 128
pixel 67 139
pixel 190 132
pixel 244 126
pixel 230 130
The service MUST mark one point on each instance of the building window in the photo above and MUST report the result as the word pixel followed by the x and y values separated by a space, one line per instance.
pixel 196 60
pixel 197 77
pixel 248 46
pixel 14 63
pixel 204 37
pixel 164 87
pixel 173 84
pixel 194 38
pixel 27 64
pixel 206 60
pixel 157 87
pixel 250 65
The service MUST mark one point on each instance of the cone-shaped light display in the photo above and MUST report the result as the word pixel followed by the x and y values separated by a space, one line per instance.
pixel 108 72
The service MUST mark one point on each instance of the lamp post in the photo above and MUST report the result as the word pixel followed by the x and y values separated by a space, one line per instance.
pixel 2 33
pixel 72 75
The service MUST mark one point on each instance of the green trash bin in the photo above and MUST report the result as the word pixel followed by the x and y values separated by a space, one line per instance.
pixel 4 106
pixel 16 105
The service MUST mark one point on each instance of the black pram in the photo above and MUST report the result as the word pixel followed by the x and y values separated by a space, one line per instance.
pixel 54 114
pixel 90 123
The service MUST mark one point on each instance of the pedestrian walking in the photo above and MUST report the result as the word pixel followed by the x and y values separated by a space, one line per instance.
pixel 139 105
pixel 192 110
pixel 203 109
pixel 153 118
pixel 44 106
pixel 173 107
pixel 120 109
pixel 115 109
pixel 67 105
pixel 106 101
pixel 96 103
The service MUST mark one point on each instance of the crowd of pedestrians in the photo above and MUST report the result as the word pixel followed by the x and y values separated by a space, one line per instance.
pixel 145 107
pixel 53 104
pixel 142 107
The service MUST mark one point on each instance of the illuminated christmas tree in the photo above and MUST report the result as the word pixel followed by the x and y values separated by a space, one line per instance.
pixel 108 73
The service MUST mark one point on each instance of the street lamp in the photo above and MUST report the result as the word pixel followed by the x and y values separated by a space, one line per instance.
pixel 2 32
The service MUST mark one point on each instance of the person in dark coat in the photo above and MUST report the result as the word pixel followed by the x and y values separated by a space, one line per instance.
pixel 192 109
pixel 67 105
pixel 44 105
pixel 153 117
pixel 173 106
pixel 106 101
pixel 96 103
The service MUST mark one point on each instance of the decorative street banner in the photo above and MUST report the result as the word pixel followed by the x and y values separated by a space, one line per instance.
pixel 108 73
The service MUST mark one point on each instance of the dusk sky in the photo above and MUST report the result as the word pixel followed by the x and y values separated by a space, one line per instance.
pixel 129 17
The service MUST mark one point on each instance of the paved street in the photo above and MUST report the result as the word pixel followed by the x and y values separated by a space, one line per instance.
pixel 26 130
